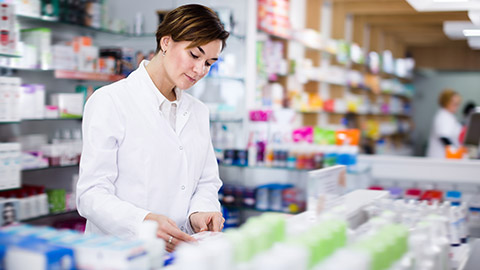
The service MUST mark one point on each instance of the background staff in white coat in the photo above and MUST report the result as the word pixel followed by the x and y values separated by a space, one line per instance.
pixel 147 152
pixel 446 128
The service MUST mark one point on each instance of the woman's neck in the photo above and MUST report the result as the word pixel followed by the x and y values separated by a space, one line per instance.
pixel 156 70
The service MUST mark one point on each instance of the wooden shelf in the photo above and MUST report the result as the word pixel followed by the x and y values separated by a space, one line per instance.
pixel 77 75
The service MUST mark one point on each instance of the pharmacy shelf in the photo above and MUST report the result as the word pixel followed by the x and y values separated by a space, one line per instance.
pixel 40 119
pixel 51 119
pixel 77 75
pixel 49 168
pixel 265 168
pixel 244 208
pixel 224 78
pixel 429 170
pixel 26 69
pixel 232 120
pixel 343 113
pixel 301 42
pixel 10 55
pixel 50 215
pixel 367 89
pixel 48 21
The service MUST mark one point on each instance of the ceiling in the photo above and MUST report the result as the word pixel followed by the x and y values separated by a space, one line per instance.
pixel 396 25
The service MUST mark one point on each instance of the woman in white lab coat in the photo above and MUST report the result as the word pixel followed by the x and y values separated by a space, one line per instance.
pixel 147 152
pixel 445 129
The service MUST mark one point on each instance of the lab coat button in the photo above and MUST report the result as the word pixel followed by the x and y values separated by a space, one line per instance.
pixel 183 187
pixel 181 147
pixel 185 114
pixel 182 228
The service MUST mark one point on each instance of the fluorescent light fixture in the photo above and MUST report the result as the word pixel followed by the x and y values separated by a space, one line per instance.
pixel 471 32
pixel 454 29
pixel 474 16
pixel 444 5
pixel 449 1
pixel 474 43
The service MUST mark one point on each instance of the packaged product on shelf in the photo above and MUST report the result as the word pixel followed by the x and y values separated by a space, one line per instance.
pixel 30 250
pixel 8 39
pixel 10 99
pixel 51 112
pixel 32 101
pixel 93 14
pixel 51 8
pixel 88 59
pixel 70 105
pixel 10 209
pixel 41 39
pixel 56 200
pixel 63 57
pixel 124 57
pixel 28 8
pixel 10 165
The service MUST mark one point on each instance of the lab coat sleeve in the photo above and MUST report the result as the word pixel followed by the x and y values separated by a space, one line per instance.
pixel 444 126
pixel 103 132
pixel 205 196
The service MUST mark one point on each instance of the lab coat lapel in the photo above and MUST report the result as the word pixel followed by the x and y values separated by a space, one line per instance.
pixel 183 114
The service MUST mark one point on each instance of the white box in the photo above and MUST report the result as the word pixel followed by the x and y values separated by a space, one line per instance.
pixel 88 59
pixel 70 105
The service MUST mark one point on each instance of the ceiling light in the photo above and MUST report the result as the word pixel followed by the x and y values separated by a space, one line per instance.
pixel 444 5
pixel 454 29
pixel 449 1
pixel 471 32
pixel 474 16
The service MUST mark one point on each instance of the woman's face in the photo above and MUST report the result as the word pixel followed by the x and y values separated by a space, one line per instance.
pixel 454 104
pixel 186 66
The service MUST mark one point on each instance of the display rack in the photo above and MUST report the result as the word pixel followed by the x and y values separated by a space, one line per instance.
pixel 50 215
pixel 49 168
pixel 77 75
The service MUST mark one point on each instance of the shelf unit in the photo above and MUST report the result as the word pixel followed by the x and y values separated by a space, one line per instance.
pixel 50 215
pixel 264 168
pixel 49 21
pixel 49 168
pixel 77 75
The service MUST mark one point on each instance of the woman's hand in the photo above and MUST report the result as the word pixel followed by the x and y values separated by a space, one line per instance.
pixel 168 231
pixel 207 221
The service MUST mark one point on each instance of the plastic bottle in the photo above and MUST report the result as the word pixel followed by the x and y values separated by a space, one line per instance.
pixel 252 155
pixel 155 246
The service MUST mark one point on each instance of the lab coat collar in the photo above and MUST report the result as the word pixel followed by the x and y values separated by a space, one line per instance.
pixel 183 101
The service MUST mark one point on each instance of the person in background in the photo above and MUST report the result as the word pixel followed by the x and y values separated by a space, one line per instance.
pixel 446 128
pixel 147 152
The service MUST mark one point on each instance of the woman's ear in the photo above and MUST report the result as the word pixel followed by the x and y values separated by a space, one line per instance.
pixel 164 42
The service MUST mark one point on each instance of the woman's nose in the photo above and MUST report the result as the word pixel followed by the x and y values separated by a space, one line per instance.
pixel 199 68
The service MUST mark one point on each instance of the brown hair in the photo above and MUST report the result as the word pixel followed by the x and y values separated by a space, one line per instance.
pixel 446 96
pixel 195 23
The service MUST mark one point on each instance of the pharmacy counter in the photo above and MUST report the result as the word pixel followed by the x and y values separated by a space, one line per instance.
pixel 421 169
pixel 473 260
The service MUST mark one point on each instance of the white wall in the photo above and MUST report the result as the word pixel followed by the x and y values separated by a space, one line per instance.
pixel 127 10
pixel 428 85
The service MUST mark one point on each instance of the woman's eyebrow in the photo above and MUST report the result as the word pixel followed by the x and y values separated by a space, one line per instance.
pixel 203 52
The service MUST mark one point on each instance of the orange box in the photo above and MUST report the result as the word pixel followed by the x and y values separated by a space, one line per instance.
pixel 454 153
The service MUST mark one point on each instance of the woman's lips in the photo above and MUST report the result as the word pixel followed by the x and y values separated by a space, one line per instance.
pixel 190 78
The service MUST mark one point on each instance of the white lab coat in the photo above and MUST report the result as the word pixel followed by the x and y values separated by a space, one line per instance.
pixel 134 163
pixel 444 125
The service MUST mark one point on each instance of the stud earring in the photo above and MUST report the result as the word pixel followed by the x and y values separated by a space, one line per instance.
pixel 163 52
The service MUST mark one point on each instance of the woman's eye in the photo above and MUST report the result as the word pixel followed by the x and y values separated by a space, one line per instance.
pixel 207 64
pixel 193 55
